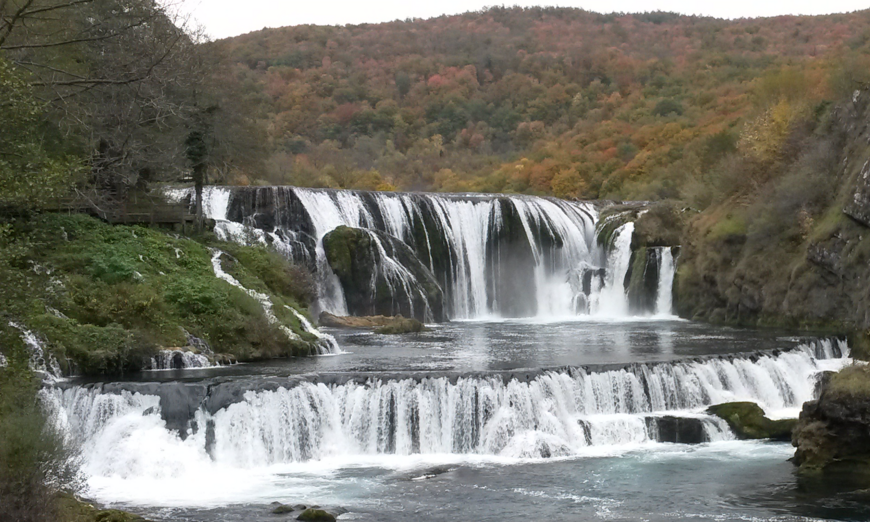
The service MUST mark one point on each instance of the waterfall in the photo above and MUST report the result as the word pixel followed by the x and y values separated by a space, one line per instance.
pixel 179 360
pixel 326 343
pixel 47 367
pixel 612 300
pixel 664 297
pixel 492 255
pixel 552 413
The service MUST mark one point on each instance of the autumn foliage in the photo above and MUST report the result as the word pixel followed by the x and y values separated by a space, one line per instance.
pixel 541 100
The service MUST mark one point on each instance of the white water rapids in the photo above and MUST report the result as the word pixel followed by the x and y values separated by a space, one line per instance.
pixel 126 445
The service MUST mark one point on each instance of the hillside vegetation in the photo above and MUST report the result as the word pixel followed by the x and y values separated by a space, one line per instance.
pixel 540 100
pixel 103 299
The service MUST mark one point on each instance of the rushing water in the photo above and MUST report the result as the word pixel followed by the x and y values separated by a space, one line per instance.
pixel 472 430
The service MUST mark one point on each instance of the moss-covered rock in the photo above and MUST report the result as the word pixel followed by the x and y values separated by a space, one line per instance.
pixel 316 515
pixel 642 280
pixel 747 421
pixel 835 430
pixel 282 509
pixel 789 248
pixel 71 509
pixel 365 263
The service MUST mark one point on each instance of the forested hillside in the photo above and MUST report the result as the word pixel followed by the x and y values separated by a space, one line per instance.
pixel 541 100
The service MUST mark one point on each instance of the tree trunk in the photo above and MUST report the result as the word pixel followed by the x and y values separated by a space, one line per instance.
pixel 198 179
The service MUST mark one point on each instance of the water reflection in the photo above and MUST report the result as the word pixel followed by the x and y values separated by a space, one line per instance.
pixel 508 345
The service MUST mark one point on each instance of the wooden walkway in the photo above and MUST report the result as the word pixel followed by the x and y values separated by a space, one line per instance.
pixel 138 209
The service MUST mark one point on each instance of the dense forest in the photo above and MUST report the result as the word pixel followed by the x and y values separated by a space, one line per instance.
pixel 541 100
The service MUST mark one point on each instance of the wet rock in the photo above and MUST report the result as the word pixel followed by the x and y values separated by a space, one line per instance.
pixel 642 280
pixel 380 275
pixel 316 515
pixel 510 262
pixel 859 207
pixel 283 509
pixel 747 421
pixel 679 430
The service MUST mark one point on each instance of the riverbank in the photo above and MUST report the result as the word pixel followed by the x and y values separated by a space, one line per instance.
pixel 102 300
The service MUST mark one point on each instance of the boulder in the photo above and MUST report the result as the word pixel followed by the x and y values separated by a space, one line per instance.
pixel 380 275
pixel 747 421
pixel 679 430
pixel 835 429
pixel 283 509
pixel 316 515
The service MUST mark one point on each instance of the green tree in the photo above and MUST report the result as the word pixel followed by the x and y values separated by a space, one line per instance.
pixel 31 175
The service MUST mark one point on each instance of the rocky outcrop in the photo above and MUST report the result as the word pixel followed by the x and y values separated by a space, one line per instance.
pixel 678 430
pixel 316 515
pixel 835 429
pixel 859 207
pixel 380 275
pixel 307 514
pixel 747 421
pixel 381 323
pixel 660 224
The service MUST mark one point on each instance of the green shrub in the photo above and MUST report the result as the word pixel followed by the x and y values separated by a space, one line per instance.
pixel 667 107
pixel 32 455
pixel 195 296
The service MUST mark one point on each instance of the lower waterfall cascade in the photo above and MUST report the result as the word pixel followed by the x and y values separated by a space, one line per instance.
pixel 492 255
pixel 552 413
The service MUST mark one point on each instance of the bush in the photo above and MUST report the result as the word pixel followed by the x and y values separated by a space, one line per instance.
pixel 667 107
pixel 33 461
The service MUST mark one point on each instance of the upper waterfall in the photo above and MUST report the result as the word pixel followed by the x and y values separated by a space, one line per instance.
pixel 491 255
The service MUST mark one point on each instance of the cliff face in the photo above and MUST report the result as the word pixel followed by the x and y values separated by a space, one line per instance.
pixel 795 250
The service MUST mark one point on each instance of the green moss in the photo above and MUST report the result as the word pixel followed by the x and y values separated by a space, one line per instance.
pixel 70 509
pixel 123 292
pixel 610 221
pixel 316 515
pixel 734 226
pixel 852 381
pixel 747 420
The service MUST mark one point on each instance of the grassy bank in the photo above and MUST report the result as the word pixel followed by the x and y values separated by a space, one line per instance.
pixel 105 298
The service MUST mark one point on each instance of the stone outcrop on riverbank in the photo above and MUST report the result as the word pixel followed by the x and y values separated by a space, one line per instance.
pixel 833 432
